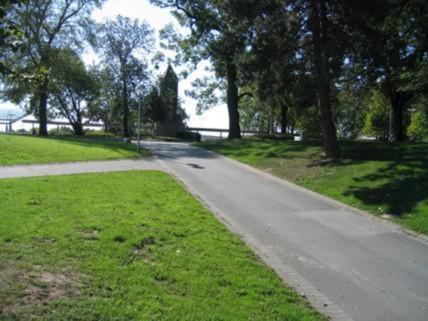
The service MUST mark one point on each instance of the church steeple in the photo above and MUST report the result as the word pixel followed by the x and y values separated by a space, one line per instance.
pixel 170 73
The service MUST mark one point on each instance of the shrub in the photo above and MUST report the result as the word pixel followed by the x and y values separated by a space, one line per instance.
pixel 418 129
pixel 189 136
pixel 61 131
pixel 98 133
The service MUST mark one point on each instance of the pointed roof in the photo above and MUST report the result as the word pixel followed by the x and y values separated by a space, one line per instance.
pixel 170 72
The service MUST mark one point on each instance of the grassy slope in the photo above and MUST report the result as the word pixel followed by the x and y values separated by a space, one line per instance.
pixel 381 178
pixel 127 246
pixel 17 149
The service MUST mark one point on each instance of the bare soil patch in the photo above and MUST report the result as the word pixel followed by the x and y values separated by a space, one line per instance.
pixel 24 289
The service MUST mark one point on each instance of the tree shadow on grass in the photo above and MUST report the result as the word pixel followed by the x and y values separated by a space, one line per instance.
pixel 400 185
pixel 265 148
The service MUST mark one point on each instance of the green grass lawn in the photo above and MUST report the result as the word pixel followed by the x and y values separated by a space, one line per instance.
pixel 20 149
pixel 382 178
pixel 127 246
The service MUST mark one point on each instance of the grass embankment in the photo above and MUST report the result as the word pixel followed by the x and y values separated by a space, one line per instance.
pixel 20 149
pixel 127 246
pixel 381 178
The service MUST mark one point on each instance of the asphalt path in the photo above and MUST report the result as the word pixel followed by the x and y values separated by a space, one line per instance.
pixel 348 264
pixel 78 168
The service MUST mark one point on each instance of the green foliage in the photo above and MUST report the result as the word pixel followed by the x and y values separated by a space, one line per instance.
pixel 418 129
pixel 350 112
pixel 153 108
pixel 307 121
pixel 60 131
pixel 377 118
pixel 119 41
pixel 129 246
pixel 11 36
pixel 389 44
pixel 72 87
pixel 47 25
pixel 99 134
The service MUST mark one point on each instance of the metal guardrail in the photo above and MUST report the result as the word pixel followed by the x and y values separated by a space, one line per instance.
pixel 220 130
pixel 60 123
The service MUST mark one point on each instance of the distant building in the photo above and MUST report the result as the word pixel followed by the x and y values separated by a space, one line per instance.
pixel 172 115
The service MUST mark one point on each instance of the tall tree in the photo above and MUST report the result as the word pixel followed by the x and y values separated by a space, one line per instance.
pixel 318 25
pixel 390 44
pixel 73 88
pixel 119 41
pixel 49 24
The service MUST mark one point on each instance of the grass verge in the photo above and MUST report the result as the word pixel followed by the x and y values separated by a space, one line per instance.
pixel 381 178
pixel 20 149
pixel 127 246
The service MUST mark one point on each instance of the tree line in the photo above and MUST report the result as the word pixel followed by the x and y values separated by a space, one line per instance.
pixel 42 44
pixel 327 67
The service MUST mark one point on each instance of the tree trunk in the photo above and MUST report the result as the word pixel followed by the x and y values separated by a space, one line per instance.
pixel 284 118
pixel 232 102
pixel 78 129
pixel 319 39
pixel 43 107
pixel 125 110
pixel 397 110
pixel 397 100
pixel 106 124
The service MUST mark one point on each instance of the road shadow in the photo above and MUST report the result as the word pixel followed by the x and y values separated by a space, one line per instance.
pixel 195 166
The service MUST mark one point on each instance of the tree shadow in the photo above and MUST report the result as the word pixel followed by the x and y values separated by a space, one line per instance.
pixel 396 180
pixel 399 185
pixel 261 148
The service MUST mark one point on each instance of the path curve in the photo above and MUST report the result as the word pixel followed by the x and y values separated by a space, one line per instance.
pixel 350 266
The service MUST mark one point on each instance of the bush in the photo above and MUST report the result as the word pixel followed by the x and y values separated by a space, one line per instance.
pixel 376 123
pixel 189 136
pixel 309 123
pixel 418 129
pixel 62 131
pixel 98 133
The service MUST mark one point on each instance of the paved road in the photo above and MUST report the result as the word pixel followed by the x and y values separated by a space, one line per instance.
pixel 79 168
pixel 349 265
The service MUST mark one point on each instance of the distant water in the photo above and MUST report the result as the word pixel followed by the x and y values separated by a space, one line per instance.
pixel 6 113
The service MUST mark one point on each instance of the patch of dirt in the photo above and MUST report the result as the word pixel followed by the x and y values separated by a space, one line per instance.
pixel 23 289
pixel 90 234
pixel 44 240
pixel 140 250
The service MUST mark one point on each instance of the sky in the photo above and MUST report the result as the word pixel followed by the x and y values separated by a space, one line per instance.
pixel 142 9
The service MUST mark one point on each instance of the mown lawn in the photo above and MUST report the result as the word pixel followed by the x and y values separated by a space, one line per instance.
pixel 127 246
pixel 382 178
pixel 21 149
